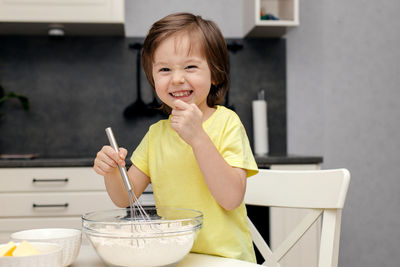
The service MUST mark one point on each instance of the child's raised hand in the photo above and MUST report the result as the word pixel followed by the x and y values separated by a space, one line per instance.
pixel 107 159
pixel 186 120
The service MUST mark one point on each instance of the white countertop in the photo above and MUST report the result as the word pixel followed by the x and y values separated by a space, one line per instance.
pixel 88 258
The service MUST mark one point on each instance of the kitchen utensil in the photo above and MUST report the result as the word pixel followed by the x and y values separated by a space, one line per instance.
pixel 68 239
pixel 135 202
pixel 163 240
pixel 139 108
pixel 50 256
pixel 232 47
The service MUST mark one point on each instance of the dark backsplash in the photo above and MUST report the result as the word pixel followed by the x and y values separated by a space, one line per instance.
pixel 78 86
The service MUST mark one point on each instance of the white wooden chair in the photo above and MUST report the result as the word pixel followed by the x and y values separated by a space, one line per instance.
pixel 321 191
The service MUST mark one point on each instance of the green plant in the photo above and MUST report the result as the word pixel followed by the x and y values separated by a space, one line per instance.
pixel 22 99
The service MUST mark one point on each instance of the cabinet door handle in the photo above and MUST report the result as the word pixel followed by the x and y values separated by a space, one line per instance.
pixel 62 180
pixel 65 205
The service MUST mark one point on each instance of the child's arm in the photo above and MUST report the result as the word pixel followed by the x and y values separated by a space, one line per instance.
pixel 226 183
pixel 106 164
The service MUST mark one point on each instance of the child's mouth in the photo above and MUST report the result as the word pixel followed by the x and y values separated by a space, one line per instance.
pixel 181 94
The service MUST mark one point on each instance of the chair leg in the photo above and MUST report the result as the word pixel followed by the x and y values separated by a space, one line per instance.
pixel 330 238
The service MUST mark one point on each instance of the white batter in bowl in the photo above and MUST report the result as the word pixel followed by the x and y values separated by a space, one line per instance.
pixel 161 241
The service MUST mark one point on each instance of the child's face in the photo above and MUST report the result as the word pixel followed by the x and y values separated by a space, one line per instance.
pixel 179 74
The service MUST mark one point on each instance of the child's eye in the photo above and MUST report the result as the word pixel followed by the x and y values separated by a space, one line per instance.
pixel 191 67
pixel 164 69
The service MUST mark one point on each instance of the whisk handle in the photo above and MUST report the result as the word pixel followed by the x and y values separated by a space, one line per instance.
pixel 122 169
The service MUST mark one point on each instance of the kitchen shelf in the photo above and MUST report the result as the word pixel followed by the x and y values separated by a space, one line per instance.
pixel 286 10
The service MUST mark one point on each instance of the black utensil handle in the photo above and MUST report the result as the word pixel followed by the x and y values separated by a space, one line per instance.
pixel 138 73
pixel 65 205
pixel 37 180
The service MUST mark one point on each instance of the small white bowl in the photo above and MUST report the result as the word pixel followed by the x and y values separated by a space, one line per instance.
pixel 69 239
pixel 50 256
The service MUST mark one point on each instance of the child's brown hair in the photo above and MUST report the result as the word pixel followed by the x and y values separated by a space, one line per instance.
pixel 211 41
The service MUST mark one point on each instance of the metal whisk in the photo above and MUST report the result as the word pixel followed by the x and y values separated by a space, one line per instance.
pixel 124 175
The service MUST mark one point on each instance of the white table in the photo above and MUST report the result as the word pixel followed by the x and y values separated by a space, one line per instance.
pixel 88 258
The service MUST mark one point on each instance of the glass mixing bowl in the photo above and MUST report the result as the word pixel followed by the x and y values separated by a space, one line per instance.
pixel 121 240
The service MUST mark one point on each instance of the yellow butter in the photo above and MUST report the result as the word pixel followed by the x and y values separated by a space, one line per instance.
pixel 25 249
pixel 7 250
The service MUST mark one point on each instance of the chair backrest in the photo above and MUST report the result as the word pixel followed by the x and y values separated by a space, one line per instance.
pixel 321 191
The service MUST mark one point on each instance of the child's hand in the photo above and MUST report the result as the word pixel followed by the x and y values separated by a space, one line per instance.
pixel 186 120
pixel 107 159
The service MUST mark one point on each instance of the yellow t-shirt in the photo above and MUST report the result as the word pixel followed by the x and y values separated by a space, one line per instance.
pixel 178 182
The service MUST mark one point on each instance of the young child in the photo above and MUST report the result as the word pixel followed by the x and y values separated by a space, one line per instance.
pixel 199 158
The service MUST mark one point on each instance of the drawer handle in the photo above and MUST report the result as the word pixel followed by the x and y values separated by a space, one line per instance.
pixel 63 180
pixel 50 205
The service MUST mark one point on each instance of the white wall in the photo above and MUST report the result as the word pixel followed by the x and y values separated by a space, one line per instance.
pixel 343 69
pixel 141 14
pixel 343 102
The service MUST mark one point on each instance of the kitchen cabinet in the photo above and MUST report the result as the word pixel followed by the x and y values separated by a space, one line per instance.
pixel 111 11
pixel 53 16
pixel 72 181
pixel 258 17
pixel 51 197
pixel 282 222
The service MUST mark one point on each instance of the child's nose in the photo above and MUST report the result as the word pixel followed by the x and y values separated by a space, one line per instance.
pixel 178 77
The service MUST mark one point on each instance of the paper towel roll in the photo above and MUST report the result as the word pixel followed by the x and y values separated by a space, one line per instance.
pixel 260 127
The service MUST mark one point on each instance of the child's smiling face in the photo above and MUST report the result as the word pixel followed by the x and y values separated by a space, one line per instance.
pixel 181 71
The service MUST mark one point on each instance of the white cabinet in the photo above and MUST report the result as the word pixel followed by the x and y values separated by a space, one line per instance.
pixel 100 11
pixel 258 17
pixel 50 197
pixel 283 221
pixel 59 17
